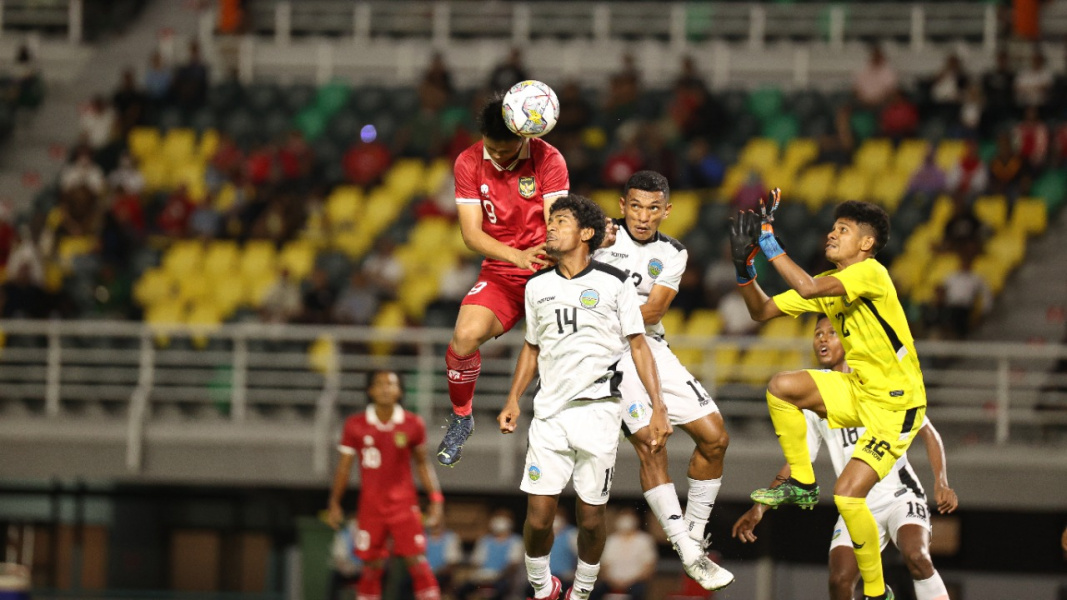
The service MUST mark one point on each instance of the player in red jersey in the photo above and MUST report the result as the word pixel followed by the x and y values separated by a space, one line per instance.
pixel 387 438
pixel 505 186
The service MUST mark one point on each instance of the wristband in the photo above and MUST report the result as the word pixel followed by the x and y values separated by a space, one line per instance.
pixel 770 245
pixel 437 497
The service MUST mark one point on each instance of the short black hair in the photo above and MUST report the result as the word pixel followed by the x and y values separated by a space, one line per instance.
pixel 373 373
pixel 648 181
pixel 491 120
pixel 870 215
pixel 820 317
pixel 588 214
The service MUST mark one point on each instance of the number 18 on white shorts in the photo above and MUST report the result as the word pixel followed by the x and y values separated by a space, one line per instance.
pixel 580 441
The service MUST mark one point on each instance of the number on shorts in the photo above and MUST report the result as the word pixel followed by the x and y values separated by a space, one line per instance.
pixel 477 288
pixel 849 437
pixel 565 317
pixel 372 458
pixel 490 210
pixel 877 447
pixel 609 474
pixel 917 509
pixel 702 395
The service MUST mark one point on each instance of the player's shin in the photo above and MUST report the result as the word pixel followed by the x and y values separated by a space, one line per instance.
pixel 701 500
pixel 424 582
pixel 370 584
pixel 463 374
pixel 792 429
pixel 931 589
pixel 663 500
pixel 863 530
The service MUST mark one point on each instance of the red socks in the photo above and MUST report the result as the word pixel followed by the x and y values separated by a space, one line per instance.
pixel 463 374
pixel 424 582
pixel 370 584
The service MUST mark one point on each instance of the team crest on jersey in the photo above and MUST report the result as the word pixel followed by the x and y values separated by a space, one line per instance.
pixel 837 534
pixel 636 410
pixel 527 187
pixel 534 473
pixel 401 439
pixel 589 298
pixel 655 267
pixel 484 189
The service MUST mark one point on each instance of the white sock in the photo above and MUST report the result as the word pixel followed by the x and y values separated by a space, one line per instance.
pixel 931 589
pixel 702 495
pixel 584 580
pixel 538 574
pixel 663 500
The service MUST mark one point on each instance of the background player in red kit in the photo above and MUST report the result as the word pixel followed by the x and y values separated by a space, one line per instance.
pixel 386 438
pixel 505 186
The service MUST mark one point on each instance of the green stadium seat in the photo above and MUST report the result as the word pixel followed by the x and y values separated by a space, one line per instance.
pixel 781 129
pixel 765 103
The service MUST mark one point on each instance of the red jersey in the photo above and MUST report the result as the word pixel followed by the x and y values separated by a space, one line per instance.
pixel 384 454
pixel 513 197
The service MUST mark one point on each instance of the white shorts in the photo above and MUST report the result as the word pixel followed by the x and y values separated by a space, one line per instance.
pixel 907 509
pixel 685 398
pixel 580 441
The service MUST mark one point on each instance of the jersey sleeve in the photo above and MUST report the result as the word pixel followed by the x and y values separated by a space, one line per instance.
pixel 671 277
pixel 791 303
pixel 466 181
pixel 865 279
pixel 349 438
pixel 814 434
pixel 629 307
pixel 531 321
pixel 554 178
pixel 418 430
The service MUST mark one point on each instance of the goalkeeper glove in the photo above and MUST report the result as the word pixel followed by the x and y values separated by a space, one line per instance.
pixel 768 241
pixel 744 245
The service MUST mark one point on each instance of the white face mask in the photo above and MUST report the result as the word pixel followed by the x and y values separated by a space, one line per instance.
pixel 558 523
pixel 500 525
pixel 626 523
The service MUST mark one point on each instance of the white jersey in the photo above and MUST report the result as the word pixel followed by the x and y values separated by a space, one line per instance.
pixel 581 326
pixel 842 442
pixel 659 261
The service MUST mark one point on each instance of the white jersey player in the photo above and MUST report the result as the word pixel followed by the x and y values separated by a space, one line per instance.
pixel 580 317
pixel 654 263
pixel 898 502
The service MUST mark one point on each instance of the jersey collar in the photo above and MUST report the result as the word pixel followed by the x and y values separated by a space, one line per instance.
pixel 622 225
pixel 524 153
pixel 396 419
pixel 581 273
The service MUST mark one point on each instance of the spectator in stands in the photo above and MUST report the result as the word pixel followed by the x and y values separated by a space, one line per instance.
pixel 689 76
pixel 509 72
pixel 205 221
pixel 173 220
pixel 748 195
pixel 628 70
pixel 130 103
pixel 190 81
pixel 701 168
pixel 734 314
pixel 26 254
pixel 112 293
pixel 970 175
pixel 720 278
pixel 157 79
pixel 575 112
pixel 948 86
pixel 998 87
pixel 126 206
pixel 928 180
pixel 1034 84
pixel 876 82
pixel 78 211
pixel 126 176
pixel 971 123
pixel 359 301
pixel 563 558
pixel 421 135
pixel 964 232
pixel 82 172
pixel 98 122
pixel 260 166
pixel 964 298
pixel 383 269
pixel 296 160
pixel 691 108
pixel 27 76
pixel 444 553
pixel 457 280
pixel 21 297
pixel 1031 139
pixel 627 160
pixel 1006 169
pixel 282 302
pixel 899 118
pixel 118 240
pixel 438 76
pixel 319 298
pixel 629 559
pixel 367 160
pixel 8 234
pixel 226 163
pixel 837 147
pixel 620 103
pixel 496 560
pixel 691 287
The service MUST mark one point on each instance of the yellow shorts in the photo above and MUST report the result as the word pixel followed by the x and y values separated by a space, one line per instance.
pixel 889 432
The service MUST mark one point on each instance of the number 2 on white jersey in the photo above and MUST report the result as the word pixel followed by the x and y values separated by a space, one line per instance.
pixel 490 210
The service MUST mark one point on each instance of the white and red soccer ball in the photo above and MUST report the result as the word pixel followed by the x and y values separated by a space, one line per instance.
pixel 530 108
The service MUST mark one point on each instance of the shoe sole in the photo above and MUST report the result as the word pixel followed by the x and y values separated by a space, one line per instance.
pixel 805 505
pixel 447 464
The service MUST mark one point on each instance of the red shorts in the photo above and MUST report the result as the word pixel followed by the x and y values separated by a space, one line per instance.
pixel 505 296
pixel 405 530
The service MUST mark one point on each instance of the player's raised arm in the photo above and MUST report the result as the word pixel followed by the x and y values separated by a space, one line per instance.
pixel 645 364
pixel 525 370
pixel 796 277
pixel 935 451
pixel 470 226
pixel 336 514
pixel 436 511
pixel 744 245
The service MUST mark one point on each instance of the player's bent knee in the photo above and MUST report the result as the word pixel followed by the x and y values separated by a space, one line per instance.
pixel 919 563
pixel 788 385
pixel 715 448
pixel 842 582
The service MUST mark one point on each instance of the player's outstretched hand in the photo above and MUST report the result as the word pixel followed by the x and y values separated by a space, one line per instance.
pixel 744 244
pixel 661 429
pixel 946 499
pixel 767 208
pixel 335 515
pixel 434 513
pixel 744 527
pixel 533 258
pixel 610 231
pixel 508 418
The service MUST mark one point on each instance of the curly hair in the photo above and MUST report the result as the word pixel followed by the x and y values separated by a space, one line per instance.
pixel 588 214
pixel 491 120
pixel 647 181
pixel 868 215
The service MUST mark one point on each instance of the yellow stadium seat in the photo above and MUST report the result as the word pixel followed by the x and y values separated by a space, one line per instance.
pixel 608 201
pixel 759 154
pixel 792 360
pixel 179 145
pixel 907 270
pixel 431 233
pixel 759 364
pixel 225 197
pixel 685 206
pixel 353 244
pixel 1030 216
pixel 221 258
pixel 852 184
pixel 1008 246
pixel 874 156
pixel 143 141
pixel 165 313
pixel 195 288
pixel 911 154
pixel 940 268
pixel 154 287
pixel 298 257
pixel 673 320
pixel 691 358
pixel 782 329
pixel 259 257
pixel 72 246
pixel 390 316
pixel 184 258
pixel 157 173
pixel 923 239
pixel 888 188
pixel 941 212
pixel 815 185
pixel 949 153
pixel 993 271
pixel 405 178
pixel 415 294
pixel 436 176
pixel 344 204
pixel 209 143
pixel 228 294
pixel 992 210
pixel 203 318
pixel 726 360
pixel 799 152
pixel 255 287
pixel 703 322
pixel 323 356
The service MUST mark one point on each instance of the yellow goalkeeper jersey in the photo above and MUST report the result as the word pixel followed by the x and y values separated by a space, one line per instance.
pixel 873 330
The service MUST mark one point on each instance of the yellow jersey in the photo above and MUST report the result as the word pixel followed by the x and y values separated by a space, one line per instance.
pixel 873 330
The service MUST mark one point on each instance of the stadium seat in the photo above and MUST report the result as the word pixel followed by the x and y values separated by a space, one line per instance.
pixel 1029 216
pixel 673 320
pixel 873 156
pixel 992 210
pixel 685 206
pixel 323 356
pixel 608 201
pixel 436 175
pixel 703 322
pixel 765 103
pixel 759 364
pixel 209 143
pixel 143 141
pixel 298 257
pixel 155 286
pixel 992 270
pixel 1008 246
pixel 815 186
pixel 888 189
pixel 759 154
pixel 799 153
pixel 415 294
pixel 949 153
pixel 852 184
pixel 184 258
pixel 227 294
pixel 390 316
pixel 179 145
pixel 71 247
pixel 726 359
pixel 221 257
pixel 343 205
pixel 195 288
pixel 259 257
pixel 404 178
pixel 911 154
pixel 782 129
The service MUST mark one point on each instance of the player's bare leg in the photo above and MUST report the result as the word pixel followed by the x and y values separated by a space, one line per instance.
pixel 913 541
pixel 537 537
pixel 844 573
pixel 788 393
pixel 475 325
pixel 850 496
pixel 662 498
pixel 705 470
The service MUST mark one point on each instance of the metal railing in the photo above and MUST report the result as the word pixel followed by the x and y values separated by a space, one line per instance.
pixel 246 373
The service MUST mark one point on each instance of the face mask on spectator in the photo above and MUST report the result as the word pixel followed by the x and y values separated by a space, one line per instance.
pixel 499 525
pixel 626 523
pixel 558 523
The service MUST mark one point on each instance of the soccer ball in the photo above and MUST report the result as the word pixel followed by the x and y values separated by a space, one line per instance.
pixel 530 108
